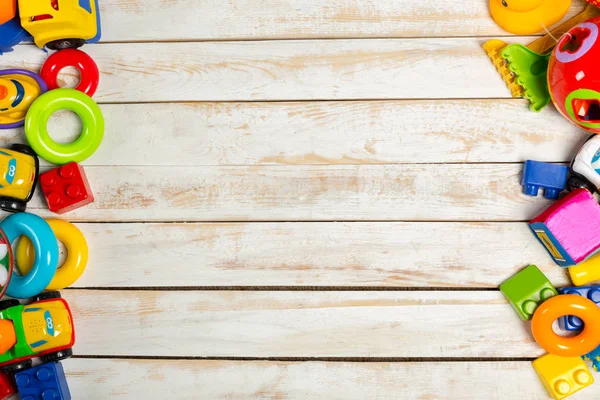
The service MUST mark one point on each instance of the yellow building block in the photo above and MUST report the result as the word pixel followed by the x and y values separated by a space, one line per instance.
pixel 586 272
pixel 562 376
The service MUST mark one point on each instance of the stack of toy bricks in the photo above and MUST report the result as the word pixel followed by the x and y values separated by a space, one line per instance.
pixel 570 231
pixel 30 357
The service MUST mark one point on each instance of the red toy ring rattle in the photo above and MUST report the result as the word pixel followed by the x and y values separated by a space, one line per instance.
pixel 72 58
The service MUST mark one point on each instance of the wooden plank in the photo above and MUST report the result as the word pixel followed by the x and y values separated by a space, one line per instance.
pixel 375 132
pixel 156 379
pixel 312 254
pixel 247 19
pixel 288 70
pixel 428 192
pixel 298 324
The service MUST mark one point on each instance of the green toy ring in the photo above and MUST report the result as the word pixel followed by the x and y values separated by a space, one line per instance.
pixel 36 126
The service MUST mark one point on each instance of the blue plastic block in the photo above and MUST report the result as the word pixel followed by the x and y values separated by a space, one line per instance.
pixel 11 34
pixel 594 357
pixel 550 177
pixel 44 382
pixel 570 322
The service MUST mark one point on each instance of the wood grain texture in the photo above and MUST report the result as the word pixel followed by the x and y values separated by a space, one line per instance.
pixel 157 379
pixel 298 324
pixel 268 19
pixel 467 255
pixel 288 70
pixel 374 132
pixel 428 192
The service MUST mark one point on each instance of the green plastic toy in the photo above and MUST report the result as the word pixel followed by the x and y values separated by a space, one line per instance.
pixel 526 290
pixel 531 71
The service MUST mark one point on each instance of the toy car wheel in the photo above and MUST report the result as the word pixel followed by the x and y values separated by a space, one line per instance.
pixel 65 44
pixel 23 148
pixel 12 205
pixel 579 182
pixel 46 296
pixel 57 356
pixel 16 367
pixel 4 304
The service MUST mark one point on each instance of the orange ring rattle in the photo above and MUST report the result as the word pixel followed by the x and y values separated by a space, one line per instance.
pixel 561 305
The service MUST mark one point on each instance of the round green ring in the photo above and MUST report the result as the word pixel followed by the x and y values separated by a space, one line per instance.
pixel 36 126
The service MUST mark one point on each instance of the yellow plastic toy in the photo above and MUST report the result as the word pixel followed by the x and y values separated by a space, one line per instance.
pixel 68 24
pixel 586 272
pixel 77 254
pixel 8 10
pixel 562 376
pixel 18 90
pixel 526 17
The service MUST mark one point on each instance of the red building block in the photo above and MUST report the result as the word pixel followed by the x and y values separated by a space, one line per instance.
pixel 66 188
pixel 7 387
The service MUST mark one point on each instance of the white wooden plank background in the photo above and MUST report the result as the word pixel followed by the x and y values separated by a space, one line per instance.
pixel 237 133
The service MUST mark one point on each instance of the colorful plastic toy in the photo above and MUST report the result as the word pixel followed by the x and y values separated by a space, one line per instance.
pixel 585 166
pixel 525 17
pixel 526 290
pixel 592 293
pixel 522 70
pixel 586 272
pixel 42 382
pixel 18 90
pixel 568 229
pixel 66 188
pixel 46 254
pixel 567 304
pixel 71 25
pixel 44 329
pixel 6 264
pixel 7 388
pixel 77 254
pixel 573 78
pixel 37 120
pixel 90 76
pixel 562 376
pixel 594 357
pixel 19 171
pixel 551 177
pixel 11 34
pixel 8 10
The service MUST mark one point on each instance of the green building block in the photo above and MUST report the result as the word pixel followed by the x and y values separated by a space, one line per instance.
pixel 526 290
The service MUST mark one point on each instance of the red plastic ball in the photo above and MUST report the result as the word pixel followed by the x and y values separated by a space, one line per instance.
pixel 574 75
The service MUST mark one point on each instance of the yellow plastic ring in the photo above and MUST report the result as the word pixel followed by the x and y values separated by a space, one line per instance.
pixel 77 254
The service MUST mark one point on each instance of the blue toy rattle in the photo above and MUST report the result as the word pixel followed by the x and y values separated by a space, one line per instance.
pixel 46 254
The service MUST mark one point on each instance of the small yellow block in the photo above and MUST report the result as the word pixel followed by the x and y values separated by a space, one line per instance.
pixel 562 376
pixel 586 271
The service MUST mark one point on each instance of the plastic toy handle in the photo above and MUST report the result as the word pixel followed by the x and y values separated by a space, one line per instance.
pixel 8 337
pixel 547 42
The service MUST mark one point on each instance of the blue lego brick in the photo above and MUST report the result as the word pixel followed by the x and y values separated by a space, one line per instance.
pixel 594 357
pixel 570 322
pixel 44 382
pixel 550 177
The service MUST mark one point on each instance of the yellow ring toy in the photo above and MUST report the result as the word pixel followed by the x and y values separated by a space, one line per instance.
pixel 77 254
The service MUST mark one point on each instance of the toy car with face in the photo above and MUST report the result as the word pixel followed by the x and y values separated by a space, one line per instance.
pixel 19 171
pixel 585 167
pixel 43 328
pixel 61 24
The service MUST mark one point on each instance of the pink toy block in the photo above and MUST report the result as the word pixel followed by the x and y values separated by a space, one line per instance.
pixel 570 228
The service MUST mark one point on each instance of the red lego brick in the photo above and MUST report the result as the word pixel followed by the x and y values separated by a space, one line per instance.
pixel 7 387
pixel 66 188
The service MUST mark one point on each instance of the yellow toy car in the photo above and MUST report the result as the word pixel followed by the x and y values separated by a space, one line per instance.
pixel 19 171
pixel 61 25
